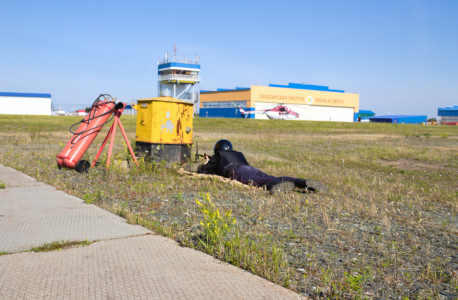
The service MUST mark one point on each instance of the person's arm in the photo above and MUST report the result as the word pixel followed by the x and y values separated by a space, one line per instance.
pixel 210 167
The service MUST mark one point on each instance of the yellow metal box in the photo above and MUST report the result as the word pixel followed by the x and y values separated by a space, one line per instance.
pixel 164 120
pixel 164 129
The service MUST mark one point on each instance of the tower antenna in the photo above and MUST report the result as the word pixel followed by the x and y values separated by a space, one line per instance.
pixel 174 52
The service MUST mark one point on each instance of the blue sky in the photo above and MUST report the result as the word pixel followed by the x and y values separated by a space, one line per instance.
pixel 401 57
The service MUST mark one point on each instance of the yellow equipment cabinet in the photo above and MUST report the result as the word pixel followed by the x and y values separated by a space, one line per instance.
pixel 164 129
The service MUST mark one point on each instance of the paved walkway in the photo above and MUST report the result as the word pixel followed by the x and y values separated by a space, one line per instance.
pixel 128 262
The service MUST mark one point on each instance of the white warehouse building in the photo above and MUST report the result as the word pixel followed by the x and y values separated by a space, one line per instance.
pixel 25 104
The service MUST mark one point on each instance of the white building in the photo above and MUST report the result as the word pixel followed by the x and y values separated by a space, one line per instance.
pixel 81 112
pixel 58 113
pixel 25 104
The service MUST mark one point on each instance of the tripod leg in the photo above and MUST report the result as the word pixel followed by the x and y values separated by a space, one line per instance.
pixel 127 142
pixel 103 146
pixel 110 149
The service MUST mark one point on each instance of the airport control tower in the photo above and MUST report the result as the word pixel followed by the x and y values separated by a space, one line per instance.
pixel 177 76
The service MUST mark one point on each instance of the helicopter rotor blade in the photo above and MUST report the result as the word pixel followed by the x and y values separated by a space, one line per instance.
pixel 266 107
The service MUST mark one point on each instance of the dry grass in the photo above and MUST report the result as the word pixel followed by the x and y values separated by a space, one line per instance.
pixel 388 227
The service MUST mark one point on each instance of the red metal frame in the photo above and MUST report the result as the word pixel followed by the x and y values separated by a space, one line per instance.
pixel 112 133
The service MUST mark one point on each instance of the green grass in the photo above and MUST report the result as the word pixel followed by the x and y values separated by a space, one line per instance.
pixel 59 245
pixel 393 197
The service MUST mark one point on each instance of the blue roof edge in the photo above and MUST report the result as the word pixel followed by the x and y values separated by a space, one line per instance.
pixel 311 87
pixel 31 95
pixel 398 116
pixel 289 86
pixel 179 65
pixel 362 111
pixel 225 90
pixel 448 108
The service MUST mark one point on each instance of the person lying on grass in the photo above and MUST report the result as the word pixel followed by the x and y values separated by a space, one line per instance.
pixel 232 164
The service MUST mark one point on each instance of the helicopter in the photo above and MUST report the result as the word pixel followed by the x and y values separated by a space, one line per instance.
pixel 279 112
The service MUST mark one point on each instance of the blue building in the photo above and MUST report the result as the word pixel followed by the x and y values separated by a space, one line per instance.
pixel 128 110
pixel 399 119
pixel 448 114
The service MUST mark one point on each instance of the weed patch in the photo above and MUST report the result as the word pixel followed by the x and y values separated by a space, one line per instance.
pixel 60 245
pixel 259 255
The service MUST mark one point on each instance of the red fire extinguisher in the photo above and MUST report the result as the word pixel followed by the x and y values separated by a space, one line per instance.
pixel 87 131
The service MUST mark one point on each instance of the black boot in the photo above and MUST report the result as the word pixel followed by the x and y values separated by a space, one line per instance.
pixel 311 185
pixel 300 183
pixel 278 187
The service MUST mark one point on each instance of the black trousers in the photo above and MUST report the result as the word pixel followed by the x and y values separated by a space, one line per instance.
pixel 252 175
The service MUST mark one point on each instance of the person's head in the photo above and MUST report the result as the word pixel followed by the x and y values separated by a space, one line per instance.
pixel 222 145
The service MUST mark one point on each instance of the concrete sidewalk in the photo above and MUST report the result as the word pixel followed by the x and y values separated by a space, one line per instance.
pixel 128 262
pixel 35 215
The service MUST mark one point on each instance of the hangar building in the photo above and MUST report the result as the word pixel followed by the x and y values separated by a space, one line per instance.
pixel 309 102
pixel 448 114
pixel 25 104
pixel 399 119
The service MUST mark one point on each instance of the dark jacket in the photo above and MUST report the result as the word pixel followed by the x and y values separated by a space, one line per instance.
pixel 223 162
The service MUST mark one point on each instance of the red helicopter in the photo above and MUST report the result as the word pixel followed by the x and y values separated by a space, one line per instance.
pixel 278 112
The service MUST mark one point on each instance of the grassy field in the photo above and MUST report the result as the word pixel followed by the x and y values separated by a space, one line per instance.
pixel 387 228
